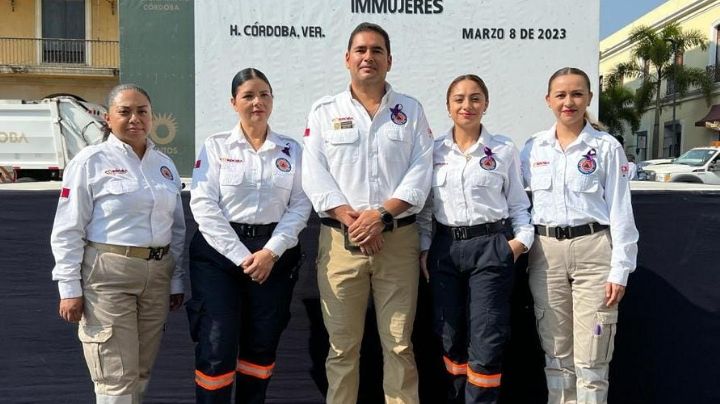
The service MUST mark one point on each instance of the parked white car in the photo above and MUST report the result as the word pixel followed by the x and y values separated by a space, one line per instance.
pixel 698 165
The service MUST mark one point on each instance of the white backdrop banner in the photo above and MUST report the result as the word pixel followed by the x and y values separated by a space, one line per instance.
pixel 514 45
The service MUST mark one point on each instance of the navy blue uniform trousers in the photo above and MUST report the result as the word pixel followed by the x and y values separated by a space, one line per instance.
pixel 236 322
pixel 471 282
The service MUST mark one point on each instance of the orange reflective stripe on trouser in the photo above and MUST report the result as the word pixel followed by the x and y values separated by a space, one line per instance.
pixel 482 380
pixel 254 370
pixel 214 382
pixel 453 368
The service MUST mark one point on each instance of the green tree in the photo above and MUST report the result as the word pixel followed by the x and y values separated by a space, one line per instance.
pixel 617 107
pixel 658 50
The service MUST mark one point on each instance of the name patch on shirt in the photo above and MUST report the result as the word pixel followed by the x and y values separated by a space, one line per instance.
pixel 283 164
pixel 345 122
pixel 541 163
pixel 397 116
pixel 229 160
pixel 116 171
pixel 165 171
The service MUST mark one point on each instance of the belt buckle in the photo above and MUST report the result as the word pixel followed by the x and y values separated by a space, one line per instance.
pixel 249 231
pixel 562 233
pixel 460 233
pixel 156 253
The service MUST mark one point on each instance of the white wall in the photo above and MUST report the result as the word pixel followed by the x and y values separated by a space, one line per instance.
pixel 428 52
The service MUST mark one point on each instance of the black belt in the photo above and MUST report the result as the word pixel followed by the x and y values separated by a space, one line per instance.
pixel 568 232
pixel 253 230
pixel 468 232
pixel 404 221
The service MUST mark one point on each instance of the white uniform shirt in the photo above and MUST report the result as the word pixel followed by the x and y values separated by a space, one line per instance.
pixel 481 185
pixel 234 183
pixel 351 159
pixel 588 182
pixel 111 196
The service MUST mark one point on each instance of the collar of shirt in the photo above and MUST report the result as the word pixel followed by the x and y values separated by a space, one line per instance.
pixel 113 141
pixel 385 100
pixel 237 137
pixel 485 138
pixel 589 136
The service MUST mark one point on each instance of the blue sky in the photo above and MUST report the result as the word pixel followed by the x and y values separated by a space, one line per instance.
pixel 615 14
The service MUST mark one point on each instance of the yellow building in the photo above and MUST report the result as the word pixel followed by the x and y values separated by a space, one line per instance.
pixel 692 109
pixel 50 47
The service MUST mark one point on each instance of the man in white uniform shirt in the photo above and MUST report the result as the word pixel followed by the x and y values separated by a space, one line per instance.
pixel 367 167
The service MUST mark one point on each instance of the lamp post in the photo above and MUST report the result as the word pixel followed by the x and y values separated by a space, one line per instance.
pixel 674 94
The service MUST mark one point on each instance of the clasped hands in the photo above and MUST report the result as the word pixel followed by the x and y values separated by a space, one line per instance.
pixel 364 228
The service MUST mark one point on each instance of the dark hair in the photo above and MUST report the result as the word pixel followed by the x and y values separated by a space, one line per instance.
pixel 472 77
pixel 247 74
pixel 370 27
pixel 114 92
pixel 574 70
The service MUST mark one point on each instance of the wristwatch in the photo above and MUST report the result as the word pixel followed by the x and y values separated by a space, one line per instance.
pixel 274 256
pixel 385 217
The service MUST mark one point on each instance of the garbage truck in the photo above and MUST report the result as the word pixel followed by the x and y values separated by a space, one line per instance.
pixel 38 138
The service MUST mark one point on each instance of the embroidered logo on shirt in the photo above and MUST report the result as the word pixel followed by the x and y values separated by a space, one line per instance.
pixel 116 171
pixel 283 164
pixel 165 171
pixel 541 163
pixel 345 122
pixel 307 132
pixel 286 149
pixel 587 164
pixel 439 164
pixel 197 163
pixel 488 162
pixel 229 160
pixel 397 116
pixel 65 193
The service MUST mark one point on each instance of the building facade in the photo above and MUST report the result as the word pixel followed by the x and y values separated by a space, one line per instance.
pixel 58 47
pixel 694 123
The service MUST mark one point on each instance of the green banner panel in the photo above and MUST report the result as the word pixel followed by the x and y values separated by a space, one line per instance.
pixel 157 52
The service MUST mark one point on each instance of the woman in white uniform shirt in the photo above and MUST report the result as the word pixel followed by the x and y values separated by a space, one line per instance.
pixel 248 202
pixel 587 243
pixel 117 239
pixel 478 202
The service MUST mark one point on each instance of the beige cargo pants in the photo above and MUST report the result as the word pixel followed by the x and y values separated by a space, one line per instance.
pixel 346 280
pixel 125 308
pixel 567 281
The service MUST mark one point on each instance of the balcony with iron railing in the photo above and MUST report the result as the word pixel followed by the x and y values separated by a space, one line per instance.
pixel 50 55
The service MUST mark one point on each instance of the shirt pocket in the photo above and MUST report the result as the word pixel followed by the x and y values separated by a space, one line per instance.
pixel 283 180
pixel 119 187
pixel 485 186
pixel 439 178
pixel 342 146
pixel 167 196
pixel 231 175
pixel 395 144
pixel 584 183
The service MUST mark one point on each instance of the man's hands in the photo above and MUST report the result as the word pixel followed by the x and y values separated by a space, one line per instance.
pixel 364 228
pixel 71 309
